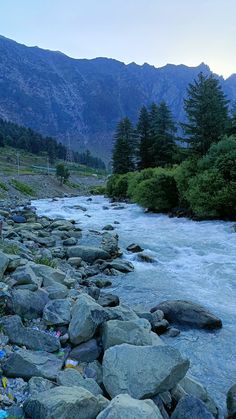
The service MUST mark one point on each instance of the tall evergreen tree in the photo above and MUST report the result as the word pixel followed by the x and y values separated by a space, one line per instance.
pixel 123 153
pixel 163 134
pixel 207 112
pixel 145 158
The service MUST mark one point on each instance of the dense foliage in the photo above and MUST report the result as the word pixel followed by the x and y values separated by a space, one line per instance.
pixel 200 179
pixel 26 139
pixel 62 173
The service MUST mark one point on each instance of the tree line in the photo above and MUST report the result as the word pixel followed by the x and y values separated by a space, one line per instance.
pixel 155 140
pixel 23 138
pixel 194 174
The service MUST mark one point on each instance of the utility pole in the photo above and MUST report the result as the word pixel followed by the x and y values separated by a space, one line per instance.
pixel 18 162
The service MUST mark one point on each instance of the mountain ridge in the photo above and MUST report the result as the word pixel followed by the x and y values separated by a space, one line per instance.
pixel 84 98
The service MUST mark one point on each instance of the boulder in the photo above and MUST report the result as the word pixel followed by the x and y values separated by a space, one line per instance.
pixel 125 407
pixel 231 402
pixel 135 332
pixel 57 291
pixel 18 219
pixel 27 364
pixel 38 385
pixel 189 407
pixel 121 312
pixel 28 304
pixel 25 275
pixel 49 274
pixel 119 265
pixel 57 312
pixel 62 403
pixel 108 227
pixel 188 313
pixel 87 315
pixel 72 378
pixel 25 336
pixel 108 300
pixel 110 243
pixel 142 371
pixel 134 248
pixel 4 260
pixel 75 261
pixel 196 389
pixel 87 253
pixel 14 262
pixel 86 352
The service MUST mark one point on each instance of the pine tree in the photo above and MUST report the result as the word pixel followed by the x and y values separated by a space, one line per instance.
pixel 145 158
pixel 124 148
pixel 163 134
pixel 207 112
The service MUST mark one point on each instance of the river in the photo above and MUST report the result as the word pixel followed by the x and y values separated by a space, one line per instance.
pixel 194 261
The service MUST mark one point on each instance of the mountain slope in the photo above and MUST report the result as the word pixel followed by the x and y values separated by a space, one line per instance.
pixel 60 96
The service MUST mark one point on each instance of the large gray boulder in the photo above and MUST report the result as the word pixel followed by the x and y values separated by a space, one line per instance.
pixel 28 304
pixel 142 371
pixel 121 312
pixel 62 403
pixel 231 402
pixel 188 313
pixel 72 378
pixel 125 407
pixel 136 332
pixel 37 385
pixel 87 253
pixel 119 265
pixel 27 364
pixel 110 243
pixel 57 312
pixel 25 275
pixel 87 315
pixel 194 388
pixel 48 274
pixel 3 264
pixel 25 336
pixel 86 352
pixel 189 407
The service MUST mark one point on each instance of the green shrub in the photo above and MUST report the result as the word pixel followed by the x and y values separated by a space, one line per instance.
pixel 46 261
pixel 159 193
pixel 11 249
pixel 22 187
pixel 3 186
pixel 183 174
pixel 117 186
pixel 136 179
pixel 98 190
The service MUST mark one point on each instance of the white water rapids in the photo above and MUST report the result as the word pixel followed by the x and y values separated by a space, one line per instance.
pixel 195 261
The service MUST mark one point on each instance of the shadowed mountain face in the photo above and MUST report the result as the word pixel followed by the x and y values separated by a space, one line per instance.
pixel 84 99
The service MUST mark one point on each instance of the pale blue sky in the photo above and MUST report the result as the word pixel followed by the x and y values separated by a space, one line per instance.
pixel 153 31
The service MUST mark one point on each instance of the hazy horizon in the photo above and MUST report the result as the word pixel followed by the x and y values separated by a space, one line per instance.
pixel 159 32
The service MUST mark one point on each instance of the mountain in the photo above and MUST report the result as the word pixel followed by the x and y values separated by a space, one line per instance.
pixel 83 99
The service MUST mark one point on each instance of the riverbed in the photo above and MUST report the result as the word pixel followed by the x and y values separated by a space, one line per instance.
pixel 193 260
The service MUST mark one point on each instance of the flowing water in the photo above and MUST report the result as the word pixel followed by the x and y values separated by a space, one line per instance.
pixel 194 260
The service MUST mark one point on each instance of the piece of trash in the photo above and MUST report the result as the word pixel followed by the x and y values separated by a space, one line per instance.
pixel 4 382
pixel 2 354
pixel 71 363
pixel 3 414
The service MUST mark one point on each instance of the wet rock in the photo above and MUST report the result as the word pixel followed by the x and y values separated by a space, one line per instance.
pixel 231 402
pixel 72 378
pixel 27 364
pixel 134 370
pixel 189 407
pixel 86 352
pixel 160 327
pixel 121 266
pixel 28 304
pixel 125 407
pixel 25 336
pixel 134 332
pixel 108 300
pixel 134 248
pixel 188 313
pixel 87 315
pixel 57 312
pixel 173 332
pixel 108 227
pixel 110 243
pixel 37 385
pixel 64 403
pixel 196 389
pixel 87 253
pixel 143 257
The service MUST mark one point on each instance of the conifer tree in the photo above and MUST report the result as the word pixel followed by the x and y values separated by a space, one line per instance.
pixel 207 112
pixel 124 147
pixel 145 158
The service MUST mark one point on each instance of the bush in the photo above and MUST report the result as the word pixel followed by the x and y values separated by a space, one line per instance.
pixel 211 197
pixel 22 187
pixel 159 193
pixel 117 186
pixel 136 179
pixel 98 190
pixel 46 261
pixel 3 186
pixel 183 174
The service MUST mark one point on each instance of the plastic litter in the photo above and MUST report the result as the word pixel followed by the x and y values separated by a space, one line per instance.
pixel 4 382
pixel 3 414
pixel 2 354
pixel 71 363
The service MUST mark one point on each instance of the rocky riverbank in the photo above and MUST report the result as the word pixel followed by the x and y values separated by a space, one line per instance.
pixel 69 348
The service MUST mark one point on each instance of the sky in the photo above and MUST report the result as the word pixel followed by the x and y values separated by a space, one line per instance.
pixel 153 31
